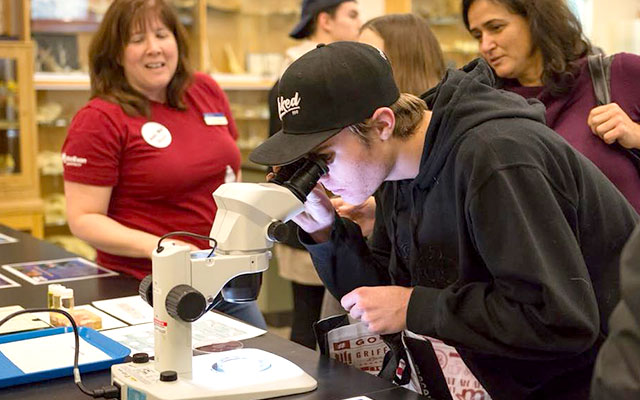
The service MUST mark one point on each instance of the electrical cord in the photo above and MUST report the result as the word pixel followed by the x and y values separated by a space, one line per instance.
pixel 107 392
pixel 213 305
pixel 185 233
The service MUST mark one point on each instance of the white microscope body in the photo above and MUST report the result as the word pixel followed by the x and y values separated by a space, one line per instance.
pixel 184 283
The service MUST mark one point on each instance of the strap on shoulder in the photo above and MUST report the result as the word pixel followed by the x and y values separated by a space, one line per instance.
pixel 599 68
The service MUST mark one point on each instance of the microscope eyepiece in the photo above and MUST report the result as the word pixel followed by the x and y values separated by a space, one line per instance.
pixel 301 176
pixel 286 171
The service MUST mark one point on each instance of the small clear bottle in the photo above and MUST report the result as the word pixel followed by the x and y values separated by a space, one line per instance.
pixel 53 295
pixel 66 299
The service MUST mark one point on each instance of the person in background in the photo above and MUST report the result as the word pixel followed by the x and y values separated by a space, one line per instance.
pixel 143 156
pixel 418 65
pixel 492 233
pixel 412 48
pixel 617 372
pixel 321 21
pixel 538 50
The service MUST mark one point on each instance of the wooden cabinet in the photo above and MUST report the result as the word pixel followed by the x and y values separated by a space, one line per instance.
pixel 20 203
pixel 445 19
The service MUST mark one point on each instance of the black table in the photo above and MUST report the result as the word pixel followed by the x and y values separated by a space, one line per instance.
pixel 335 380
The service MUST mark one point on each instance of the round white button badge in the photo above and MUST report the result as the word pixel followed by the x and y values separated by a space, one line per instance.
pixel 157 135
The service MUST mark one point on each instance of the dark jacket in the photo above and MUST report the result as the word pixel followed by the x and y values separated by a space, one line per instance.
pixel 510 237
pixel 617 372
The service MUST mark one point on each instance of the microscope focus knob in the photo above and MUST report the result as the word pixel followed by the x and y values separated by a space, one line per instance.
pixel 185 303
pixel 146 289
pixel 278 231
pixel 168 376
pixel 140 358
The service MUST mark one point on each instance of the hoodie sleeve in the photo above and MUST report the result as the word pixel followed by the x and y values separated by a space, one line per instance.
pixel 617 371
pixel 539 301
pixel 346 261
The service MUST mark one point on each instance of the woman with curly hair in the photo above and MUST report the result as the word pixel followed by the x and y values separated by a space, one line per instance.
pixel 537 49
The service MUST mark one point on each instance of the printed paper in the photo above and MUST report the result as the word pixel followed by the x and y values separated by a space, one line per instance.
pixel 209 329
pixel 7 239
pixel 131 309
pixel 62 270
pixel 7 283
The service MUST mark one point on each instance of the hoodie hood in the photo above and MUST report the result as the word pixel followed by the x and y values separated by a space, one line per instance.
pixel 464 99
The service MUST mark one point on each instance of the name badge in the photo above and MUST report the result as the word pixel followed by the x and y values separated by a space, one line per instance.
pixel 155 134
pixel 212 119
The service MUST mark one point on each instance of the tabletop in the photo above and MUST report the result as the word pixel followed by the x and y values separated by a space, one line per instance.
pixel 335 380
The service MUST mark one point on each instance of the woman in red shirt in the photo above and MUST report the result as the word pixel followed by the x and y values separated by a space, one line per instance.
pixel 142 158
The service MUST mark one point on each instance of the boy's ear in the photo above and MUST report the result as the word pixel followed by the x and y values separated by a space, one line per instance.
pixel 385 122
pixel 322 21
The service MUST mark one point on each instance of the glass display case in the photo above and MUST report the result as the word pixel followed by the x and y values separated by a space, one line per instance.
pixel 20 204
pixel 445 19
pixel 9 118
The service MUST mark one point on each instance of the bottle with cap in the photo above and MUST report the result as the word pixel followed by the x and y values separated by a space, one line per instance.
pixel 66 299
pixel 53 291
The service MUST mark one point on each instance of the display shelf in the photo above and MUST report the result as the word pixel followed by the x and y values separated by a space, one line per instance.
pixel 61 81
pixel 54 174
pixel 445 21
pixel 59 123
pixel 80 81
pixel 20 203
pixel 256 7
pixel 64 26
pixel 249 118
pixel 4 125
pixel 55 224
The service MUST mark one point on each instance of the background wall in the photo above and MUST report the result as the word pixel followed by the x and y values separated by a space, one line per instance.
pixel 613 25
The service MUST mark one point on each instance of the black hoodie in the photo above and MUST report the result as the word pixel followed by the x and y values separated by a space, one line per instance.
pixel 510 238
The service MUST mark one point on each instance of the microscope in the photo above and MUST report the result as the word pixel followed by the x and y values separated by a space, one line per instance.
pixel 184 284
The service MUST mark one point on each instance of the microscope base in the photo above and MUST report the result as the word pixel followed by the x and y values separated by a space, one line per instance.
pixel 236 374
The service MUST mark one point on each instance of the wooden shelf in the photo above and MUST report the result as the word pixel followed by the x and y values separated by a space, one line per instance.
pixel 5 125
pixel 454 20
pixel 58 123
pixel 240 117
pixel 80 81
pixel 55 223
pixel 61 81
pixel 62 26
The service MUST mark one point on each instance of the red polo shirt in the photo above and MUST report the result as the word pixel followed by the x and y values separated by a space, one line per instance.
pixel 162 175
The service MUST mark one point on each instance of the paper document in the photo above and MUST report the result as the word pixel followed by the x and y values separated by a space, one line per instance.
pixel 138 338
pixel 7 239
pixel 209 329
pixel 108 322
pixel 62 270
pixel 7 283
pixel 24 322
pixel 217 328
pixel 49 352
pixel 132 309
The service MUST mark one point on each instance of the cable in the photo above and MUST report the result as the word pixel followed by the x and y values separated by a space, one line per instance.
pixel 185 233
pixel 213 304
pixel 108 392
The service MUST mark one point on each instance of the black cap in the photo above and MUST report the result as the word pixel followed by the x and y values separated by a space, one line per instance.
pixel 311 8
pixel 327 89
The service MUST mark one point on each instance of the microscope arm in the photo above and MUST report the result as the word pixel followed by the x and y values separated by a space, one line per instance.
pixel 184 286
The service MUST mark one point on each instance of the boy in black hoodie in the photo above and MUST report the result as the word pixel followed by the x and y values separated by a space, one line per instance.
pixel 492 233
